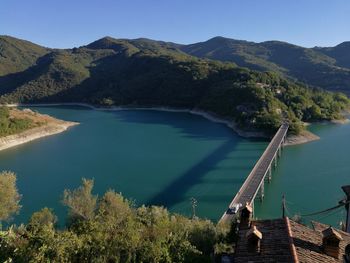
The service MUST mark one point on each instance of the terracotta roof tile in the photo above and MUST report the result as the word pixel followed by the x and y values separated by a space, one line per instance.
pixel 280 237
pixel 274 246
pixel 308 243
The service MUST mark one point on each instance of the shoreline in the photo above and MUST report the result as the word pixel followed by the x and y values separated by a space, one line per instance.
pixel 53 127
pixel 207 115
pixel 305 136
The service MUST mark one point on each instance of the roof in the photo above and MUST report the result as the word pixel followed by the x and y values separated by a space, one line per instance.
pixel 254 231
pixel 331 232
pixel 284 240
pixel 274 245
pixel 308 242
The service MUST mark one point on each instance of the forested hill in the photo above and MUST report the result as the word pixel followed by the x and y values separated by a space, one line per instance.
pixel 153 73
pixel 328 68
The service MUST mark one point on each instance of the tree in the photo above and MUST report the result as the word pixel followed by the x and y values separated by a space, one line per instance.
pixel 81 202
pixel 9 196
pixel 44 217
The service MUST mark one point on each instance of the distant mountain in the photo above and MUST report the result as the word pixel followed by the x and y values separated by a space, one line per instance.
pixel 341 53
pixel 328 68
pixel 144 72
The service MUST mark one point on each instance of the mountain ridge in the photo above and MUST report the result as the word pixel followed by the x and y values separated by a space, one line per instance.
pixel 143 72
pixel 325 67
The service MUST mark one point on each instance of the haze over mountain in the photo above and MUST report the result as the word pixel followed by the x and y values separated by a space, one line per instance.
pixel 327 67
pixel 144 72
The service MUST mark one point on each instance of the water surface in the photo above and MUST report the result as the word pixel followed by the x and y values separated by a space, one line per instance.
pixel 311 176
pixel 166 158
pixel 151 157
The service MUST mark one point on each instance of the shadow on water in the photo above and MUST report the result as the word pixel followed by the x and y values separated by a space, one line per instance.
pixel 189 125
pixel 175 191
pixel 220 144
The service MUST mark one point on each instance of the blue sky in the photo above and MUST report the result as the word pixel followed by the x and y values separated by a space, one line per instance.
pixel 69 23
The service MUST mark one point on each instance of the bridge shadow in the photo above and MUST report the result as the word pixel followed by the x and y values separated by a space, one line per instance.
pixel 198 128
pixel 175 191
pixel 188 125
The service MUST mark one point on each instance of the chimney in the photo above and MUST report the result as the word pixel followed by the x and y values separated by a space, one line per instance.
pixel 246 216
pixel 346 190
pixel 254 237
pixel 330 242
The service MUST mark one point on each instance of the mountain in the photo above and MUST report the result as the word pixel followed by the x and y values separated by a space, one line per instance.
pixel 17 55
pixel 328 68
pixel 341 53
pixel 144 72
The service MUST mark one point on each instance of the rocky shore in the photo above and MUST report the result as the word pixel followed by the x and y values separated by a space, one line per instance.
pixel 303 137
pixel 49 126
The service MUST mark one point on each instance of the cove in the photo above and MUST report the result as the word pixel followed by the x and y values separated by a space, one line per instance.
pixel 151 157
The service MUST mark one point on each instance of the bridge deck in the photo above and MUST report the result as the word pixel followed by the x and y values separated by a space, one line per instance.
pixel 255 179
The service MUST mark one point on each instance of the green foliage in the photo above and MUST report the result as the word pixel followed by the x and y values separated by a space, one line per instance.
pixel 142 72
pixel 10 125
pixel 9 196
pixel 45 217
pixel 81 202
pixel 113 231
pixel 327 68
pixel 17 55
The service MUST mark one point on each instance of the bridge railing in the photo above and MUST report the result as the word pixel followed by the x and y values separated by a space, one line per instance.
pixel 283 129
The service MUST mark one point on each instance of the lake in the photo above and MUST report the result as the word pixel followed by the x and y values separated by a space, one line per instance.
pixel 166 158
pixel 150 157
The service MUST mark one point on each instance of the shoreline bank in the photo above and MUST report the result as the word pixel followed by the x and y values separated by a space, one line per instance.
pixel 52 127
pixel 207 115
pixel 305 137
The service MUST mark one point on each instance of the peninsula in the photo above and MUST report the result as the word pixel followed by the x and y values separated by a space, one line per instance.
pixel 21 126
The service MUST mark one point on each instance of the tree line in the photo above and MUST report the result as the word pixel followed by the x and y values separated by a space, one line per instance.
pixel 106 229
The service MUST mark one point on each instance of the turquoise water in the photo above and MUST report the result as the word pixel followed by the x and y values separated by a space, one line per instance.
pixel 166 158
pixel 311 176
pixel 151 157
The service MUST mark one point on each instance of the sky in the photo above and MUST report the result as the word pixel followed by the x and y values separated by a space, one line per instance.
pixel 72 23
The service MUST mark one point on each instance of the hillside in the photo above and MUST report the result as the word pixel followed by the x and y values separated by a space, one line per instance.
pixel 144 72
pixel 341 53
pixel 327 68
pixel 18 55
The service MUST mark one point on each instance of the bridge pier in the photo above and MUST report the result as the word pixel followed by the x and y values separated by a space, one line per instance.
pixel 254 185
pixel 269 175
pixel 262 191
pixel 275 161
pixel 253 209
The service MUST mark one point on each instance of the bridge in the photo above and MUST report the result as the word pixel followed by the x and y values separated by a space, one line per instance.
pixel 262 171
